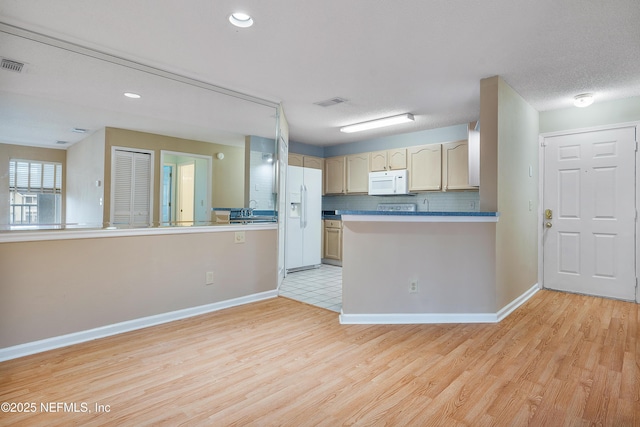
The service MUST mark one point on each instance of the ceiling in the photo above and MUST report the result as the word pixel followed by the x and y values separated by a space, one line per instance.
pixel 424 57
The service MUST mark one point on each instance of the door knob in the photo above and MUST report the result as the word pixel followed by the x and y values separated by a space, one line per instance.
pixel 548 225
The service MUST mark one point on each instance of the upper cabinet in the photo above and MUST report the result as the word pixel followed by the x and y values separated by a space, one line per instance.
pixel 358 173
pixel 425 167
pixel 306 161
pixel 431 167
pixel 334 175
pixel 295 159
pixel 455 166
pixel 388 160
pixel 313 162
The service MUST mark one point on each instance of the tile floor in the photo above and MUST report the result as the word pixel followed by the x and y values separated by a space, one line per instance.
pixel 321 287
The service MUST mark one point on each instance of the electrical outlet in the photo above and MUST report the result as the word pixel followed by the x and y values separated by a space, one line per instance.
pixel 239 237
pixel 209 278
pixel 413 286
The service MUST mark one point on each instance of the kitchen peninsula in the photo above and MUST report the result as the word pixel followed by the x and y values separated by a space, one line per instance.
pixel 419 267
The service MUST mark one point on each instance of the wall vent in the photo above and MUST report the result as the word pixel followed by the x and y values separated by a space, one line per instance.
pixel 10 65
pixel 330 102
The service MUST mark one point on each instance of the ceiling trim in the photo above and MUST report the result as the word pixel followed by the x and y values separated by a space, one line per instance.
pixel 93 53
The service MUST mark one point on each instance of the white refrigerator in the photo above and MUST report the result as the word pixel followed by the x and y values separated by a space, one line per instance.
pixel 303 218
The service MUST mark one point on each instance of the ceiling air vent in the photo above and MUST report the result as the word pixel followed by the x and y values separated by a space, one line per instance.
pixel 10 65
pixel 330 102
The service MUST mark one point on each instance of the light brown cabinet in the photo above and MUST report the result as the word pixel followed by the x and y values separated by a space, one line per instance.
pixel 332 240
pixel 334 175
pixel 425 167
pixel 294 159
pixel 358 173
pixel 455 166
pixel 313 162
pixel 388 160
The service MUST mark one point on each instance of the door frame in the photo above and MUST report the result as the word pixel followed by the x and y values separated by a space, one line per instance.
pixel 540 212
pixel 209 159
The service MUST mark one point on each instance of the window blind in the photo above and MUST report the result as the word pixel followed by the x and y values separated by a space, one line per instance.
pixel 26 176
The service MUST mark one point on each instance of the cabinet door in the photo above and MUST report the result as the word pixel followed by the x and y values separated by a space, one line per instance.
pixel 295 159
pixel 334 175
pixel 313 162
pixel 333 243
pixel 397 159
pixel 455 166
pixel 378 161
pixel 358 173
pixel 425 167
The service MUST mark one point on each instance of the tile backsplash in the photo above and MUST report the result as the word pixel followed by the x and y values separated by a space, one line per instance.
pixel 458 201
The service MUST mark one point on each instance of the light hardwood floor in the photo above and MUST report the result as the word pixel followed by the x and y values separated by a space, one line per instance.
pixel 560 359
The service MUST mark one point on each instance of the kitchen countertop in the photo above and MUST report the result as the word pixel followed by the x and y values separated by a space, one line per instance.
pixel 332 217
pixel 417 216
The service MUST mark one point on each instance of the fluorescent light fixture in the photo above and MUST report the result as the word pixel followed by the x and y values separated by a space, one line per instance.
pixel 240 19
pixel 374 124
pixel 583 100
pixel 132 95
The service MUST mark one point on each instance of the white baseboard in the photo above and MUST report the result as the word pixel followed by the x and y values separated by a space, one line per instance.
pixel 130 325
pixel 417 318
pixel 509 308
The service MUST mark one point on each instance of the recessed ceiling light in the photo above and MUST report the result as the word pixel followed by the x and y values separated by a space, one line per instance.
pixel 132 95
pixel 241 19
pixel 583 100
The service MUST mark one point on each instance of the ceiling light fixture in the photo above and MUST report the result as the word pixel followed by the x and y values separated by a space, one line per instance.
pixel 374 124
pixel 132 95
pixel 241 19
pixel 583 100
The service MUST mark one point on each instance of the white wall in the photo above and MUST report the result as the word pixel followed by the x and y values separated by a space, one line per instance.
pixel 85 167
pixel 598 114
pixel 509 151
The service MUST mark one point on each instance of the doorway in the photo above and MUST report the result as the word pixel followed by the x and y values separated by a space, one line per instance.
pixel 168 192
pixel 589 213
pixel 186 189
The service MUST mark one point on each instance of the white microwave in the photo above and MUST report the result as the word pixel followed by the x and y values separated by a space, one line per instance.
pixel 388 183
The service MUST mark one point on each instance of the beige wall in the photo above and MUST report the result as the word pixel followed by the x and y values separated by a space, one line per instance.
pixel 52 288
pixel 509 150
pixel 8 152
pixel 599 114
pixel 228 173
pixel 454 264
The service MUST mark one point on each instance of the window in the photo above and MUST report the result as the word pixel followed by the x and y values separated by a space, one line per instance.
pixel 35 193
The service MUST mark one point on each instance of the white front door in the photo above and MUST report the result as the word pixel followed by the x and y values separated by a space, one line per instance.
pixel 589 213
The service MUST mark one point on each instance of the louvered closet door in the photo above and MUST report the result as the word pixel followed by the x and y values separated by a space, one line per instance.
pixel 131 187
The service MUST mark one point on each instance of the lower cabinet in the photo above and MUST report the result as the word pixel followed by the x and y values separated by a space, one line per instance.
pixel 332 240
